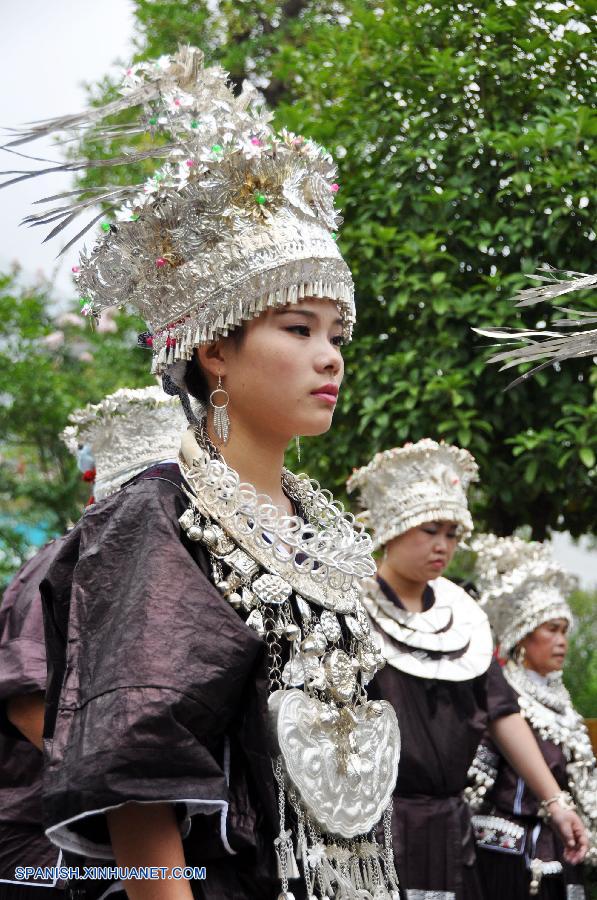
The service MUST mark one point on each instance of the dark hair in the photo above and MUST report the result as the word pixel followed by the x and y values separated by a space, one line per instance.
pixel 194 376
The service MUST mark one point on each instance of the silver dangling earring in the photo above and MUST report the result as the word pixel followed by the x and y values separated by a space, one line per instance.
pixel 297 443
pixel 221 417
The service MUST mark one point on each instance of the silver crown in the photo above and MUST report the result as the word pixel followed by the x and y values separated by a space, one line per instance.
pixel 520 586
pixel 127 431
pixel 237 219
pixel 406 486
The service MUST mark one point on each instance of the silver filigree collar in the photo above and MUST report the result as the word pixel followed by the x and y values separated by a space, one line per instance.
pixel 450 642
pixel 324 557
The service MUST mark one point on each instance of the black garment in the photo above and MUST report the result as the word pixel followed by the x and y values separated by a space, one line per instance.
pixel 428 594
pixel 441 724
pixel 22 672
pixel 16 892
pixel 506 876
pixel 507 873
pixel 155 683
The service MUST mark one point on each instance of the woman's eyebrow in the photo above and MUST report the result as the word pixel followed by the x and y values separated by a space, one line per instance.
pixel 298 311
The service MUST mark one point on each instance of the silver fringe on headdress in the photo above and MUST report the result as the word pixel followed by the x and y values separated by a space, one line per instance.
pixel 237 219
pixel 128 431
pixel 553 346
pixel 406 486
pixel 520 586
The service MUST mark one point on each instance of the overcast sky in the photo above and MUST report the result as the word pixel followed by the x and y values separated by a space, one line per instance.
pixel 48 48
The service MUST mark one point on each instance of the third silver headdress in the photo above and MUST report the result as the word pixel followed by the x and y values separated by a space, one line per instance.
pixel 521 586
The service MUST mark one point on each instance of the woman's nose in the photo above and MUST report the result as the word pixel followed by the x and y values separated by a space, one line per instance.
pixel 330 360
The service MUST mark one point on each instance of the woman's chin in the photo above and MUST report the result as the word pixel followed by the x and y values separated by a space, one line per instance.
pixel 316 427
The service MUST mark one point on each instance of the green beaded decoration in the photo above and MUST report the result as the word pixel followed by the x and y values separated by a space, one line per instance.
pixel 106 226
pixel 260 198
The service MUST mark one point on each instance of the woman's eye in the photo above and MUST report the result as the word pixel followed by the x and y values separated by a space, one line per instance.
pixel 429 530
pixel 303 330
pixel 338 341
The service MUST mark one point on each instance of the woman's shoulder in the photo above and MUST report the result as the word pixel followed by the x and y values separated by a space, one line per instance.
pixel 154 491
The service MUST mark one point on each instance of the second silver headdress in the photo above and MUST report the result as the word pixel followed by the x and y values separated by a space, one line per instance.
pixel 406 486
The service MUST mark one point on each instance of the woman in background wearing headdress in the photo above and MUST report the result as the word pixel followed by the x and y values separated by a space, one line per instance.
pixel 209 639
pixel 440 676
pixel 110 441
pixel 524 592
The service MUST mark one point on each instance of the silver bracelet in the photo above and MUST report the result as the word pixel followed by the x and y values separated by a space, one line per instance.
pixel 564 801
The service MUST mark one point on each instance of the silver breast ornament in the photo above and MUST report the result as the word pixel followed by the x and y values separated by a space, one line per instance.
pixel 342 761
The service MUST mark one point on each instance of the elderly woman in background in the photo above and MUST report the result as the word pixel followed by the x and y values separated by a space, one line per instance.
pixel 524 592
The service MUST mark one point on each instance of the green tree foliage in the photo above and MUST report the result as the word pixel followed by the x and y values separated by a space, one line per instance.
pixel 463 133
pixel 580 673
pixel 49 365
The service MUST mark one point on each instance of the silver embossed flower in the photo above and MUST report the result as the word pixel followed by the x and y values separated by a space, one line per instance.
pixel 340 675
pixel 271 589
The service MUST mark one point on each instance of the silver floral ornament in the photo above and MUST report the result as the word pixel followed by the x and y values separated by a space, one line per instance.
pixel 330 626
pixel 255 621
pixel 271 590
pixel 340 675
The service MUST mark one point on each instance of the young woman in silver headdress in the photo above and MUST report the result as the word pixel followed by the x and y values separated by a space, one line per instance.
pixel 440 677
pixel 206 702
pixel 524 592
pixel 113 441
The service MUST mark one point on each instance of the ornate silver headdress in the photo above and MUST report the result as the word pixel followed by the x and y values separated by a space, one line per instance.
pixel 237 219
pixel 551 346
pixel 128 431
pixel 406 486
pixel 521 586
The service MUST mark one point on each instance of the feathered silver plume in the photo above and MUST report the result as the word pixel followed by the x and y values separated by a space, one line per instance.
pixel 550 346
pixel 169 94
pixel 236 218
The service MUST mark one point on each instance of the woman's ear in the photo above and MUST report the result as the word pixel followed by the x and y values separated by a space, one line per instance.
pixel 212 359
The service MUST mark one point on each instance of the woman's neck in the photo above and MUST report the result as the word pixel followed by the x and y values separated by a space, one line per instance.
pixel 258 459
pixel 410 592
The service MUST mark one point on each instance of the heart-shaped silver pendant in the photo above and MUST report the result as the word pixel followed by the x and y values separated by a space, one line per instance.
pixel 342 761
